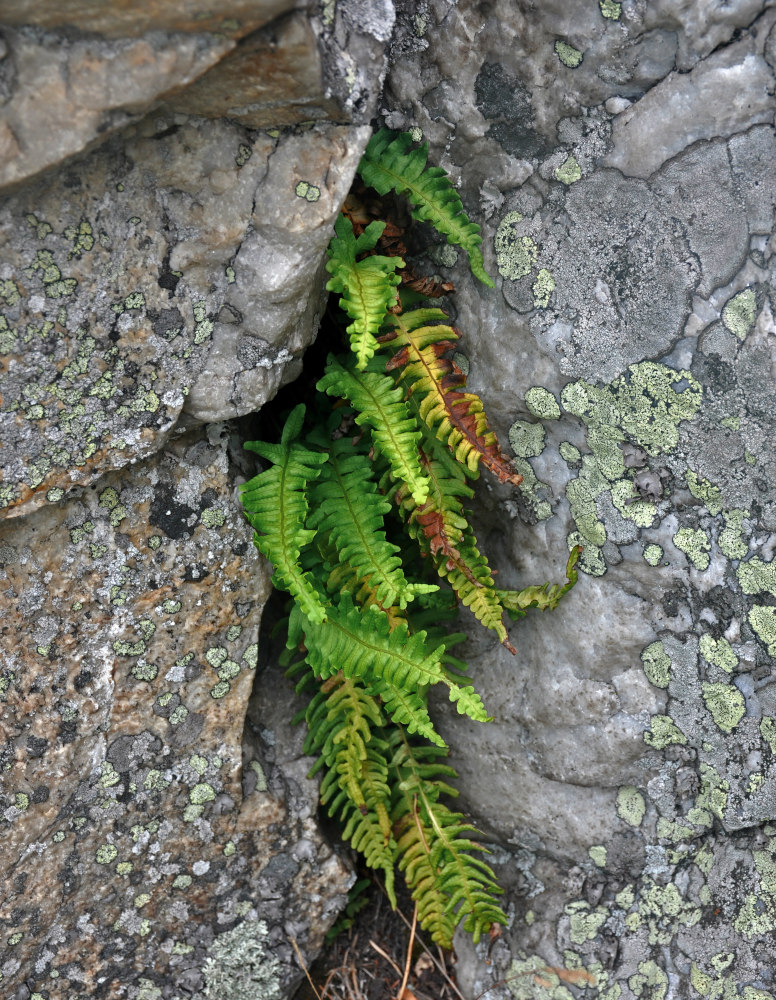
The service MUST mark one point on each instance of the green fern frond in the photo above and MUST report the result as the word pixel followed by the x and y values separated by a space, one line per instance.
pixel 391 663
pixel 435 850
pixel 350 513
pixel 390 163
pixel 379 406
pixel 546 597
pixel 275 504
pixel 367 287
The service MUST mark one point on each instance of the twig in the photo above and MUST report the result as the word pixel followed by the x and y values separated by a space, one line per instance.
pixel 386 956
pixel 437 965
pixel 408 963
pixel 295 946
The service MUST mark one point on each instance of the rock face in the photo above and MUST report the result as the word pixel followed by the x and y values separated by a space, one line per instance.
pixel 158 838
pixel 171 181
pixel 621 158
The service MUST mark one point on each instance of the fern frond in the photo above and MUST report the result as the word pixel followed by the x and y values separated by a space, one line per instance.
pixel 435 383
pixel 546 597
pixel 379 406
pixel 350 513
pixel 390 163
pixel 434 846
pixel 275 504
pixel 391 663
pixel 344 728
pixel 367 287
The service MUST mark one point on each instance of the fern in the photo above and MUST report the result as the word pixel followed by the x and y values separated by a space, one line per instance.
pixel 367 287
pixel 276 505
pixel 366 632
pixel 380 407
pixel 392 163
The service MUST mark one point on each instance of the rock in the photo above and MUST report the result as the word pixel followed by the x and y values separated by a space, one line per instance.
pixel 180 264
pixel 135 855
pixel 630 769
pixel 75 73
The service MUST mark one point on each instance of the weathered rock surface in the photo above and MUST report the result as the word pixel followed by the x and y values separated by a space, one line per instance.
pixel 71 74
pixel 629 777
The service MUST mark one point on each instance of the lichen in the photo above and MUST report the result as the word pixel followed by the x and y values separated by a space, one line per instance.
pixel 657 664
pixel 739 313
pixel 631 806
pixel 515 255
pixel 240 967
pixel 569 172
pixel 541 403
pixel 567 54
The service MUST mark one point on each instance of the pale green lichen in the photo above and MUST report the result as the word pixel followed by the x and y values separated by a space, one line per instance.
pixel 570 454
pixel 515 255
pixel 569 172
pixel 213 517
pixel 529 489
pixel 731 540
pixel 307 191
pixel 641 512
pixel 261 780
pixel 542 288
pixel 756 576
pixel 220 690
pixel 762 618
pixel 585 921
pixel 726 704
pixel 657 664
pixel 653 554
pixel 768 732
pixel 610 9
pixel 696 545
pixel 567 54
pixel 709 494
pixel 240 965
pixel 541 403
pixel 105 854
pixel 201 793
pixel 597 855
pixel 663 732
pixel 739 313
pixel 631 806
pixel 526 440
pixel 718 652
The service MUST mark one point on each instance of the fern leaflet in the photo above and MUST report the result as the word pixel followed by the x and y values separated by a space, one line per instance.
pixel 379 406
pixel 546 597
pixel 276 506
pixel 390 163
pixel 367 287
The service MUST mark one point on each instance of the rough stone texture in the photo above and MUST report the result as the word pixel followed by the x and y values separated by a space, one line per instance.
pixel 621 160
pixel 159 839
pixel 72 74
pixel 177 265
pixel 140 821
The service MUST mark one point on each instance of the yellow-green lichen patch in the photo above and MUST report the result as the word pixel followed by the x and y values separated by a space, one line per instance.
pixel 652 554
pixel 204 326
pixel 229 849
pixel 201 793
pixel 585 921
pixel 768 732
pixel 251 656
pixel 709 494
pixel 105 854
pixel 657 664
pixel 542 288
pixel 650 982
pixel 220 690
pixel 569 172
pixel 631 806
pixel 570 454
pixel 726 704
pixel 739 313
pixel 718 652
pixel 731 540
pixel 641 512
pixel 696 545
pixel 530 978
pixel 261 779
pixel 240 964
pixel 310 192
pixel 526 439
pixel 610 9
pixel 567 54
pixel 124 868
pixel 597 855
pixel 756 576
pixel 530 487
pixel 515 255
pixel 213 517
pixel 663 732
pixel 541 403
pixel 762 618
